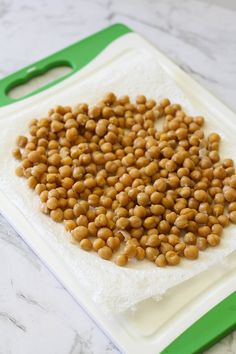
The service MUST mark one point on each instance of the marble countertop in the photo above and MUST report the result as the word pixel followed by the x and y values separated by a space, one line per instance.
pixel 36 312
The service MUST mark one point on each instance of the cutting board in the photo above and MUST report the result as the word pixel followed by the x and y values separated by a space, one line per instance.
pixel 193 315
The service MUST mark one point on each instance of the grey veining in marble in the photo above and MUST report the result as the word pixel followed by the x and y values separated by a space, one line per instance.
pixel 37 315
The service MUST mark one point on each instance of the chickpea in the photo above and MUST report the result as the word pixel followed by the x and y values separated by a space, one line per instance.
pixel 135 221
pixel 70 225
pixel 16 153
pixel 191 252
pixel 173 239
pixel 172 258
pixel 213 240
pixel 98 243
pixel 179 248
pixel 143 199
pixel 232 216
pixel 21 141
pixel 214 137
pixel 151 253
pixel 233 181
pixel 223 220
pixel 57 215
pixel 130 251
pixel 149 222
pixel 151 169
pixel 79 233
pixel 190 238
pixel 121 260
pixel 200 195
pixel 160 185
pixel 153 241
pixel 161 260
pixel 181 222
pixel 104 233
pixel 230 194
pixel 232 206
pixel 105 252
pixel 113 242
pixel 19 171
pixel 165 247
pixel 34 156
pixel 52 203
pixel 86 244
pixel 32 182
pixel 140 211
pixel 140 253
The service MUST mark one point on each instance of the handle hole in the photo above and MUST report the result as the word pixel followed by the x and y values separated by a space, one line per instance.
pixel 36 79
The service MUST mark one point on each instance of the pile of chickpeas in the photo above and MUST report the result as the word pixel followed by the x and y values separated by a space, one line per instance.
pixel 121 186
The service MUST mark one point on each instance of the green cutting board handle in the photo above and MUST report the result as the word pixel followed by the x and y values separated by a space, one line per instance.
pixel 208 330
pixel 75 56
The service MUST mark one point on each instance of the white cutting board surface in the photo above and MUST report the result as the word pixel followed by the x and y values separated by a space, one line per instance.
pixel 154 325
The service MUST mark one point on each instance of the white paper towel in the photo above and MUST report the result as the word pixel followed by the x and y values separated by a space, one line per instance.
pixel 113 288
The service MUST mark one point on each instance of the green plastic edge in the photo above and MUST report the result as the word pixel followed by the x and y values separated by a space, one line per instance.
pixel 208 330
pixel 75 56
pixel 219 321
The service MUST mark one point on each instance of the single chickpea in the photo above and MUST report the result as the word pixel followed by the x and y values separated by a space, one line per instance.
pixel 161 261
pixel 140 253
pixel 151 169
pixel 19 171
pixel 173 239
pixel 143 199
pixel 86 244
pixel 98 243
pixel 105 252
pixel 190 238
pixel 232 182
pixel 179 248
pixel 140 211
pixel 200 195
pixel 79 233
pixel 32 182
pixel 135 221
pixel 70 225
pixel 113 242
pixel 203 231
pixel 130 251
pixel 122 223
pixel 165 247
pixel 217 229
pixel 232 216
pixel 232 206
pixel 191 252
pixel 82 221
pixel 123 198
pixel 57 215
pixel 21 141
pixel 16 153
pixel 172 258
pixel 151 253
pixel 160 185
pixel 104 233
pixel 153 241
pixel 52 203
pixel 181 222
pixel 214 137
pixel 121 260
pixel 230 194
pixel 223 220
pixel 213 240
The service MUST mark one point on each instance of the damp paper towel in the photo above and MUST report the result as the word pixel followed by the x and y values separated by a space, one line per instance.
pixel 115 289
